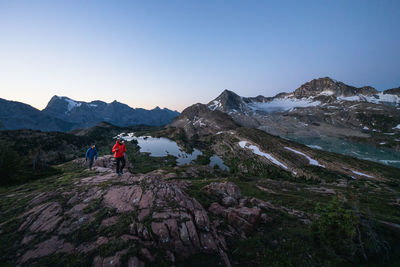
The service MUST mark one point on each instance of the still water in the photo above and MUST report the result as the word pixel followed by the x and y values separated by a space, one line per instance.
pixel 162 147
pixel 363 151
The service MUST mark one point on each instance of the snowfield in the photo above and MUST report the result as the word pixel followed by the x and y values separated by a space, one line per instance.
pixel 283 104
pixel 71 103
pixel 257 151
pixel 362 174
pixel 380 98
pixel 310 160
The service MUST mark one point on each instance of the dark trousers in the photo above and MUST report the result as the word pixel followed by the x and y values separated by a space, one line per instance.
pixel 91 163
pixel 120 164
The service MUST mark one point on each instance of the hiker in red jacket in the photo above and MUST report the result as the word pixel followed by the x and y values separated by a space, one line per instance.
pixel 119 149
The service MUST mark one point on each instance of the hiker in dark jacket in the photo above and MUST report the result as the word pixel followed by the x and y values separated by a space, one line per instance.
pixel 91 154
pixel 119 149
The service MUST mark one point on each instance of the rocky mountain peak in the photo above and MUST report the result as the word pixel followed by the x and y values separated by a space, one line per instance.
pixel 393 91
pixel 200 119
pixel 227 100
pixel 329 87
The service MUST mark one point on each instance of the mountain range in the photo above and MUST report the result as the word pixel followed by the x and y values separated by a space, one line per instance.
pixel 64 114
pixel 321 110
pixel 276 202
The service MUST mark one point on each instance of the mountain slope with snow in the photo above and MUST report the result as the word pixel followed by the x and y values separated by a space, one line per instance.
pixel 322 108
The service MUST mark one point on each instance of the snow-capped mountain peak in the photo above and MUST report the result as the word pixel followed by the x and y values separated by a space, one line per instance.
pixel 314 93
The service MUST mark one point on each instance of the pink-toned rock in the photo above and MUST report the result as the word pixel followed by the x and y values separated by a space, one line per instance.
pixel 108 162
pixel 130 237
pixel 145 253
pixel 106 262
pixel 143 214
pixel 42 218
pixel 243 219
pixel 160 230
pixel 135 262
pixel 170 176
pixel 217 209
pixel 147 200
pixel 265 219
pixel 193 234
pixel 109 221
pixel 208 242
pixel 109 261
pixel 223 189
pixel 77 209
pixel 161 215
pixel 123 198
pixel 184 234
pixel 87 247
pixel 143 232
pixel 42 197
pixel 98 179
pixel 75 221
pixel 229 201
pixel 27 239
pixel 48 247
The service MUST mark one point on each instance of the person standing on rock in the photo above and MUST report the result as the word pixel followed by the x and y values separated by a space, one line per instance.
pixel 119 149
pixel 91 154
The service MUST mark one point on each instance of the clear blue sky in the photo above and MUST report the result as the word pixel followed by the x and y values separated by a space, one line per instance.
pixel 176 53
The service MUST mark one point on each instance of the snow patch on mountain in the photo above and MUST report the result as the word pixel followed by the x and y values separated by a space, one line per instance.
pixel 199 122
pixel 380 98
pixel 216 104
pixel 283 104
pixel 362 174
pixel 310 160
pixel 257 151
pixel 327 93
pixel 71 103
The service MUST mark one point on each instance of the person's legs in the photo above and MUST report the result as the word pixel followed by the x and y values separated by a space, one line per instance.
pixel 90 163
pixel 123 164
pixel 118 160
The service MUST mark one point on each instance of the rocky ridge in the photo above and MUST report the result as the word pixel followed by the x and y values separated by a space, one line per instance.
pixel 64 114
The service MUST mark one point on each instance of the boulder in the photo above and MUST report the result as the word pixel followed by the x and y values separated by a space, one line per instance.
pixel 223 190
pixel 48 247
pixel 243 219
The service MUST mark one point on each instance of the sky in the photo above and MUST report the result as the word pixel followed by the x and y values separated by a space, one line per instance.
pixel 177 53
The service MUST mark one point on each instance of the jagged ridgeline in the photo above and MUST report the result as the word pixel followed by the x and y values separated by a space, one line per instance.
pixel 277 202
pixel 64 114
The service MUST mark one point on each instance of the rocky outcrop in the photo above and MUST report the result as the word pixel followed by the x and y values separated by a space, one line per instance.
pixel 199 119
pixel 246 213
pixel 228 192
pixel 243 219
pixel 166 216
pixel 161 217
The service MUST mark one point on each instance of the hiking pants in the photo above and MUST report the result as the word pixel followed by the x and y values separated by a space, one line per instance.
pixel 120 164
pixel 91 163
